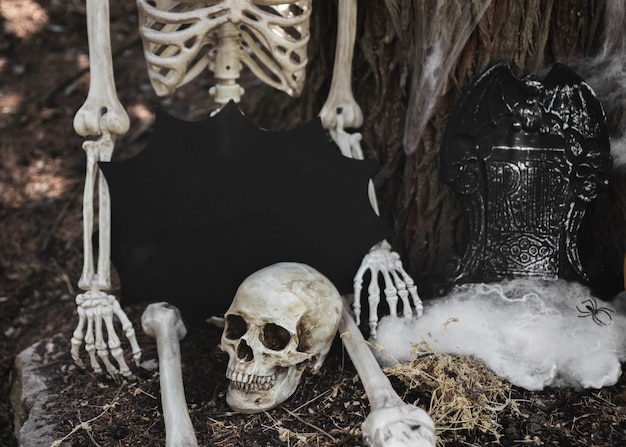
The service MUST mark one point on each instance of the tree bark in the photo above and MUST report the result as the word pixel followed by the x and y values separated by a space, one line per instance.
pixel 528 34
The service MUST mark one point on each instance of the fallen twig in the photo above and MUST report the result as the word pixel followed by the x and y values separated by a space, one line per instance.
pixel 86 425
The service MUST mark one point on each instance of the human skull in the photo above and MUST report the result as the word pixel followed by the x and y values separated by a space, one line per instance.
pixel 282 320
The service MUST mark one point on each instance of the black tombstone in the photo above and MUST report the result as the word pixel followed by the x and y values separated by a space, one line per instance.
pixel 526 158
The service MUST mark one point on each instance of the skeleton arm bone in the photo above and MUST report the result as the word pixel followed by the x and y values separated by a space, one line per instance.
pixel 340 98
pixel 101 115
pixel 341 111
pixel 163 322
pixel 391 422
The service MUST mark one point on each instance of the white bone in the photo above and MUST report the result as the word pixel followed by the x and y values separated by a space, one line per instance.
pixel 163 322
pixel 101 115
pixel 94 308
pixel 391 422
pixel 339 112
pixel 268 36
pixel 289 302
pixel 350 146
pixel 398 284
pixel 340 98
pixel 98 150
pixel 102 112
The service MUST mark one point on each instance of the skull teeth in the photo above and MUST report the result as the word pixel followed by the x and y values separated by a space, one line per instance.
pixel 250 382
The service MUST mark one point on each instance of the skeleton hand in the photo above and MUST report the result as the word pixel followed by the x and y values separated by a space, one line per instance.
pixel 94 308
pixel 402 425
pixel 381 260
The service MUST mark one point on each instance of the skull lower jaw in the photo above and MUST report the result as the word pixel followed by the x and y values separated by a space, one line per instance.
pixel 253 394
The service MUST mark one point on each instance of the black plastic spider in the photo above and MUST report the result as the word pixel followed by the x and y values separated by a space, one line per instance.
pixel 592 310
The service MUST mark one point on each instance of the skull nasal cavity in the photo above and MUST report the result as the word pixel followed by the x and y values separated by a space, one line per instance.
pixel 244 352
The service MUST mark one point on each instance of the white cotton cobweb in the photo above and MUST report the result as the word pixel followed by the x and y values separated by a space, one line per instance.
pixel 534 333
pixel 442 28
pixel 606 74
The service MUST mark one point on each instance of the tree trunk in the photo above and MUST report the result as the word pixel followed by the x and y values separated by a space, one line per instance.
pixel 528 34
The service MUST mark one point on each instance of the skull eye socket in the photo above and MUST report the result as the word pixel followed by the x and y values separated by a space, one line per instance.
pixel 236 326
pixel 275 337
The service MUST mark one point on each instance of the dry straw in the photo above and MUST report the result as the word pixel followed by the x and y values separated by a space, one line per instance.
pixel 464 395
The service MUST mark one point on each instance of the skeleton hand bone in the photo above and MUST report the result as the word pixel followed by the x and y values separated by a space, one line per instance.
pixel 163 322
pixel 391 423
pixel 398 284
pixel 95 308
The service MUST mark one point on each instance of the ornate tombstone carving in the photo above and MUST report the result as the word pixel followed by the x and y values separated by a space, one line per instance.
pixel 526 157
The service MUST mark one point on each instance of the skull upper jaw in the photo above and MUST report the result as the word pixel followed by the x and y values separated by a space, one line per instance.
pixel 247 397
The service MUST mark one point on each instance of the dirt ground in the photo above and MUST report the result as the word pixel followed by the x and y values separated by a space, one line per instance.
pixel 43 57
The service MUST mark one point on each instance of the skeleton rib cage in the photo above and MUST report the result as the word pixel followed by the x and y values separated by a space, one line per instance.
pixel 269 37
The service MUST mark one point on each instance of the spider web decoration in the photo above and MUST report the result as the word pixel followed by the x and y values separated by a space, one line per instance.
pixel 529 331
pixel 435 49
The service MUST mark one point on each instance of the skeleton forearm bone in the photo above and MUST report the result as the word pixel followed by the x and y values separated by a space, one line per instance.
pixel 101 115
pixel 163 322
pixel 391 422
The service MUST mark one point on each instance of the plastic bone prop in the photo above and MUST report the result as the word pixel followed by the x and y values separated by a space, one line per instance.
pixel 341 111
pixel 103 116
pixel 391 422
pixel 163 322
pixel 182 38
pixel 282 321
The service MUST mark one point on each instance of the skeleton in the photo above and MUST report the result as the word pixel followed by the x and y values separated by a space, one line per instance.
pixel 181 39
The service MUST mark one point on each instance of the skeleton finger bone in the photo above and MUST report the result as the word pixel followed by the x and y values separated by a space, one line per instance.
pixel 163 322
pixel 78 337
pixel 391 422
